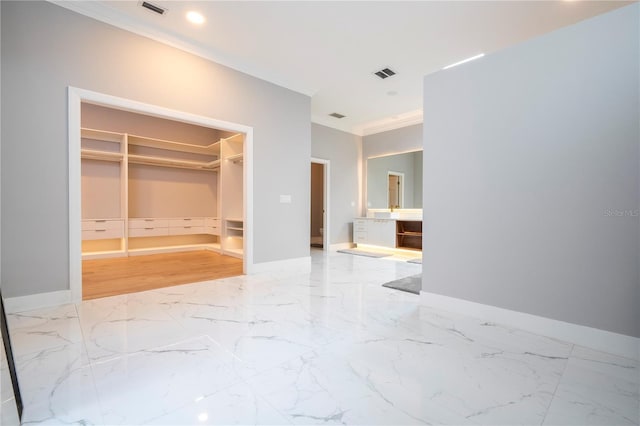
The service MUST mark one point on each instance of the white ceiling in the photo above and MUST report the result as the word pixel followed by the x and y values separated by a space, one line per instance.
pixel 330 49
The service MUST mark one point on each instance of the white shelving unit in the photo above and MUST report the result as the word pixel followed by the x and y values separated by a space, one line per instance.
pixel 130 235
pixel 235 227
pixel 105 187
pixel 232 209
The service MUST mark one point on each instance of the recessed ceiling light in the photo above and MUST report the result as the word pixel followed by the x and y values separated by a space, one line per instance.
pixel 464 61
pixel 195 17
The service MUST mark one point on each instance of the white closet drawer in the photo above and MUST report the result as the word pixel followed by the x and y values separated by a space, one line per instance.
pixel 213 230
pixel 213 222
pixel 186 221
pixel 360 225
pixel 360 237
pixel 359 228
pixel 88 225
pixel 101 234
pixel 186 230
pixel 148 223
pixel 148 232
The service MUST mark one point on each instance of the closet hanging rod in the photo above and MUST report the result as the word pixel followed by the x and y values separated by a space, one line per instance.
pixel 92 154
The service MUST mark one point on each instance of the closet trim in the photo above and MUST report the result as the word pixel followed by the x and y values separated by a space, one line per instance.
pixel 75 97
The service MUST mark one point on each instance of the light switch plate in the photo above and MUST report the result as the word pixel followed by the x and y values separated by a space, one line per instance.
pixel 285 199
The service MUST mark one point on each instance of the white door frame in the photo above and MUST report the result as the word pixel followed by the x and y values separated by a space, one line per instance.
pixel 75 97
pixel 325 201
pixel 401 189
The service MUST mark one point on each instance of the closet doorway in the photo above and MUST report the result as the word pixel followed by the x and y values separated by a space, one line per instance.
pixel 157 197
pixel 319 208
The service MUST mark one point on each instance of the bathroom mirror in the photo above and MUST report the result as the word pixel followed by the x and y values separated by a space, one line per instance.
pixel 395 181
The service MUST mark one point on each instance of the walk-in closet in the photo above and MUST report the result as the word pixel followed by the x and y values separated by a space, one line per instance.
pixel 162 202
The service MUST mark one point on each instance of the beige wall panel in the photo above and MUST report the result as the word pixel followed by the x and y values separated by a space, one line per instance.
pixel 168 192
pixel 100 189
pixel 232 180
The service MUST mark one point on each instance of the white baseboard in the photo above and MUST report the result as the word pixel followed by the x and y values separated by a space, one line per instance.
pixel 341 246
pixel 601 340
pixel 37 301
pixel 300 263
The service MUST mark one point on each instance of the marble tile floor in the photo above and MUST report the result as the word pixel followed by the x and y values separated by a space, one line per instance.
pixel 325 346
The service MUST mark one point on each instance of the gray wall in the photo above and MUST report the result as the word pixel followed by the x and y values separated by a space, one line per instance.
pixel 528 154
pixel 46 48
pixel 344 150
pixel 392 141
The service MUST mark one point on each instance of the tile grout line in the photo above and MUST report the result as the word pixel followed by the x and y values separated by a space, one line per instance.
pixel 90 364
pixel 553 395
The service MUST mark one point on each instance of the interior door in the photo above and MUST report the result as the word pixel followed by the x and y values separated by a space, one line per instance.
pixel 395 201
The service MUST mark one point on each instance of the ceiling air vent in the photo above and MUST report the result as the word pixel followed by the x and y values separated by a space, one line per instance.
pixel 336 115
pixel 152 7
pixel 385 73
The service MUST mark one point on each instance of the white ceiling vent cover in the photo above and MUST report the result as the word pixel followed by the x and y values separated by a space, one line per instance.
pixel 152 7
pixel 384 73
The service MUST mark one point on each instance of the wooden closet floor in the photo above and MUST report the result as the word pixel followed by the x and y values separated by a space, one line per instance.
pixel 110 277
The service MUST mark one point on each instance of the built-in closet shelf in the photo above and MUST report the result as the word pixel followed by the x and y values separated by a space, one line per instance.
pixel 234 227
pixel 212 149
pixel 92 154
pixel 237 158
pixel 101 135
pixel 172 162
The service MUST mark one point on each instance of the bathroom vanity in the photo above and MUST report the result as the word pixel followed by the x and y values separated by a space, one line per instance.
pixel 394 199
pixel 400 232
